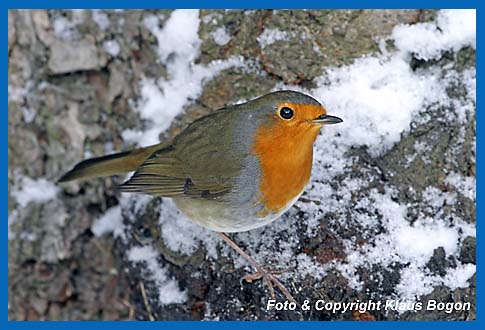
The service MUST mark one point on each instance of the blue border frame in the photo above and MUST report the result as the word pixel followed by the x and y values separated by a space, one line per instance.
pixel 337 4
pixel 237 4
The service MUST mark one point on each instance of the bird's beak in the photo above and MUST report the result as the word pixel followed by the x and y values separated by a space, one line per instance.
pixel 327 120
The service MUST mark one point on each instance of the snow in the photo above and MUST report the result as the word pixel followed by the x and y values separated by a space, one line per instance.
pixel 112 47
pixel 417 241
pixel 28 114
pixel 180 29
pixel 270 36
pixel 405 243
pixel 163 99
pixel 100 18
pixel 378 97
pixel 181 235
pixel 110 222
pixel 66 29
pixel 453 30
pixel 220 36
pixel 458 277
pixel 63 28
pixel 27 190
pixel 414 283
pixel 464 185
pixel 169 291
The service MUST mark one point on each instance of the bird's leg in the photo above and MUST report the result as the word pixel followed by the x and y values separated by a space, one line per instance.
pixel 262 272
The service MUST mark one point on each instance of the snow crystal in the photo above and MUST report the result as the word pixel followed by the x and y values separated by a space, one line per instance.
pixel 169 291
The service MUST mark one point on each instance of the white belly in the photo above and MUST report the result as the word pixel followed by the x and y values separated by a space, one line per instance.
pixel 219 217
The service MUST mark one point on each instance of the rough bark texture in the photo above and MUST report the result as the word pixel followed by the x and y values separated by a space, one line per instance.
pixel 72 96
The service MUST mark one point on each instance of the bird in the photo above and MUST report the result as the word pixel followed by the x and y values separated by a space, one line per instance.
pixel 236 169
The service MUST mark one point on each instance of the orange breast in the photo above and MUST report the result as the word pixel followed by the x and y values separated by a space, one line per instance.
pixel 285 154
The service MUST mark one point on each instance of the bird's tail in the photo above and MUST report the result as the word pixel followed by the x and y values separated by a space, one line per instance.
pixel 110 165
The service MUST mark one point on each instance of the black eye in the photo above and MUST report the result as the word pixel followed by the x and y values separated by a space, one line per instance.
pixel 286 113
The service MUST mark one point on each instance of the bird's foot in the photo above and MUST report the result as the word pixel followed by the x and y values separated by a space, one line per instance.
pixel 270 280
pixel 261 272
pixel 258 275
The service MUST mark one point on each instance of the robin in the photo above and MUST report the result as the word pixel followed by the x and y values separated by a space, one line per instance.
pixel 234 170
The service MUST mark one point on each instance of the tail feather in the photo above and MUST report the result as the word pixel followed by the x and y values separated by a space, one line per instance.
pixel 110 165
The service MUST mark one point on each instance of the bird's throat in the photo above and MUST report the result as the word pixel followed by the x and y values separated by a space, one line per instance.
pixel 285 156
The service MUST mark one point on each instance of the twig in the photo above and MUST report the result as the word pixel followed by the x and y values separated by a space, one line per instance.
pixel 145 301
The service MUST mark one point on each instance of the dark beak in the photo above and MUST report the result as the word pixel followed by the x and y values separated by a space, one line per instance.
pixel 327 120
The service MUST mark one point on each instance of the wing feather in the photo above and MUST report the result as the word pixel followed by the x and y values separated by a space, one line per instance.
pixel 198 164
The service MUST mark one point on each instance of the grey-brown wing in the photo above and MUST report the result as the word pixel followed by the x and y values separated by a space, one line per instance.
pixel 166 176
pixel 200 164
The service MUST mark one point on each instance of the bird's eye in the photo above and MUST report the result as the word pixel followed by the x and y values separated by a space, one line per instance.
pixel 286 113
